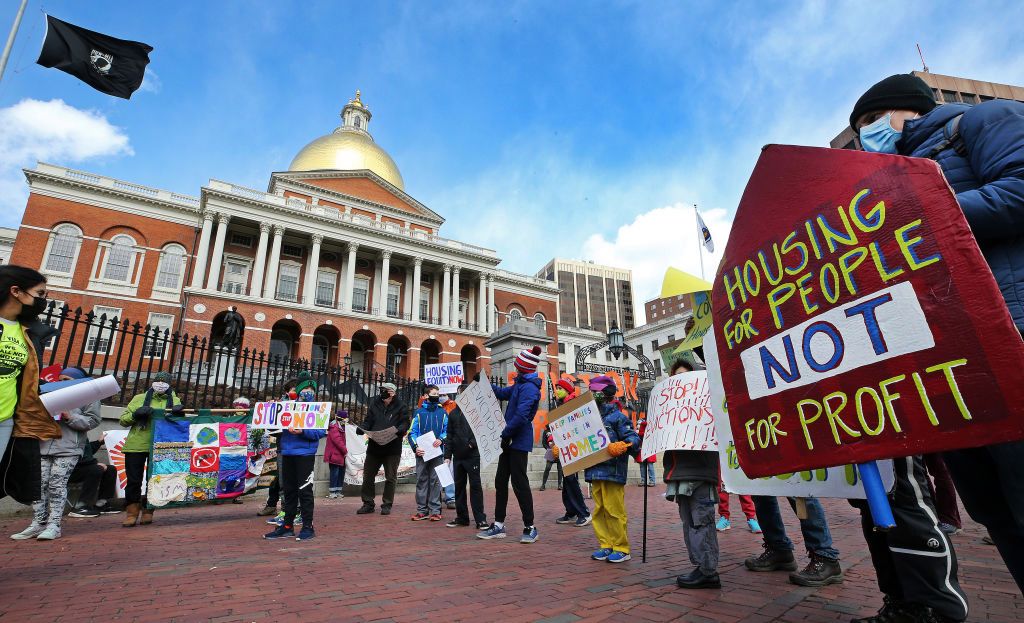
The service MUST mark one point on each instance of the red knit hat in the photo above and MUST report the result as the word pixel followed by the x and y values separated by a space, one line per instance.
pixel 527 360
pixel 568 387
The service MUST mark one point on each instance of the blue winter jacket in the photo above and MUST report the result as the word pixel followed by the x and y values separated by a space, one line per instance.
pixel 303 443
pixel 523 398
pixel 988 182
pixel 619 428
pixel 429 417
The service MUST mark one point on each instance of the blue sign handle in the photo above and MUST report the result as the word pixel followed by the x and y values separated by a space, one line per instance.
pixel 878 500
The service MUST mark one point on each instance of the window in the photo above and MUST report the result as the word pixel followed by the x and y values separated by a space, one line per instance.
pixel 281 342
pixel 241 240
pixel 576 350
pixel 291 250
pixel 64 249
pixel 288 283
pixel 540 321
pixel 514 314
pixel 52 318
pixel 119 259
pixel 640 349
pixel 101 338
pixel 463 313
pixel 969 98
pixel 654 345
pixel 359 122
pixel 657 368
pixel 394 292
pixel 325 288
pixel 236 274
pixel 424 304
pixel 950 97
pixel 171 268
pixel 671 338
pixel 607 355
pixel 360 292
pixel 321 348
pixel 161 323
pixel 561 348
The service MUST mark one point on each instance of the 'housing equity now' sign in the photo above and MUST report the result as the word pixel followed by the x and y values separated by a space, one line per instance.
pixel 856 318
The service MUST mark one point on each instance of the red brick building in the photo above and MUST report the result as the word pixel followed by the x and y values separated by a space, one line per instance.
pixel 334 260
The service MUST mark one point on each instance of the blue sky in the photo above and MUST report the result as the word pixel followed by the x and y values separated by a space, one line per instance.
pixel 589 126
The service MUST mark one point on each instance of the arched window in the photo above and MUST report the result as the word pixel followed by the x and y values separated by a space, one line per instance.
pixel 63 249
pixel 321 348
pixel 172 266
pixel 281 341
pixel 359 122
pixel 514 314
pixel 540 321
pixel 119 258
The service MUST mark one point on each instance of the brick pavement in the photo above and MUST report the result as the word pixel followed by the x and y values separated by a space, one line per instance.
pixel 210 564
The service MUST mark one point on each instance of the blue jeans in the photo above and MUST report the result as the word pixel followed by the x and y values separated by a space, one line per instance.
pixel 572 497
pixel 817 537
pixel 647 472
pixel 449 492
pixel 337 478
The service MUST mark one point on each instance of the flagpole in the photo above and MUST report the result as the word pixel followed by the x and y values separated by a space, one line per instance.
pixel 10 38
pixel 700 240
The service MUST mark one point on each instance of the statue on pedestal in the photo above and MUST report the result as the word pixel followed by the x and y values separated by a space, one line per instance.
pixel 234 324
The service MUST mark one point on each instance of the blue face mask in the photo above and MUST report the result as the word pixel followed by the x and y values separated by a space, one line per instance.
pixel 880 137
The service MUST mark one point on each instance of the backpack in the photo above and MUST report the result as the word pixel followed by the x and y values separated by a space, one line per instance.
pixel 951 140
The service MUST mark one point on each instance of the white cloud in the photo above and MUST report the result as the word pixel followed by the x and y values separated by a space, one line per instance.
pixel 34 130
pixel 151 82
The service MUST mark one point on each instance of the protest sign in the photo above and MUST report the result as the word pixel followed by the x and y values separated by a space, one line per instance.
pixel 701 322
pixel 830 482
pixel 856 317
pixel 679 415
pixel 447 376
pixel 483 412
pixel 114 442
pixel 284 415
pixel 357 455
pixel 579 434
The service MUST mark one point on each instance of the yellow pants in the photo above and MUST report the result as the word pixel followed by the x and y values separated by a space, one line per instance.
pixel 610 519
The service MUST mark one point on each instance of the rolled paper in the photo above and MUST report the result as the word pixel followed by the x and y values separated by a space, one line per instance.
pixel 79 395
pixel 46 388
pixel 878 500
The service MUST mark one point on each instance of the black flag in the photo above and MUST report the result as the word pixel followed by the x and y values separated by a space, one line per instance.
pixel 113 66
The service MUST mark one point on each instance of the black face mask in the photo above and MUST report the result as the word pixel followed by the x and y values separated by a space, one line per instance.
pixel 434 399
pixel 31 312
pixel 384 395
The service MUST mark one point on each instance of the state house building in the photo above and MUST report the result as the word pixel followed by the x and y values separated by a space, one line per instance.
pixel 334 260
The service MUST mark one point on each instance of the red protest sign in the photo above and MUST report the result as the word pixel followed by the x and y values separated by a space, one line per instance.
pixel 856 318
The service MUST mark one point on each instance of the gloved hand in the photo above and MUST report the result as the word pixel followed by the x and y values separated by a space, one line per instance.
pixel 359 431
pixel 476 377
pixel 178 410
pixel 554 451
pixel 506 442
pixel 618 448
pixel 142 414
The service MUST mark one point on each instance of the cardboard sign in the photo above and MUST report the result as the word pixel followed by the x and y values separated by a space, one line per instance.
pixel 679 415
pixel 114 443
pixel 447 376
pixel 356 457
pixel 830 482
pixel 579 434
pixel 285 415
pixel 701 323
pixel 856 318
pixel 483 413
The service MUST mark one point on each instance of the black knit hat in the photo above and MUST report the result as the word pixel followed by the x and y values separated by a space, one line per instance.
pixel 898 92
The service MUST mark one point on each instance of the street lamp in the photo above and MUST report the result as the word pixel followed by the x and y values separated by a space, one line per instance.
pixel 616 341
pixel 616 345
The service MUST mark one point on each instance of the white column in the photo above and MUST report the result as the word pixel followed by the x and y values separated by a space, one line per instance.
pixel 350 276
pixel 481 304
pixel 407 293
pixel 213 276
pixel 492 317
pixel 435 296
pixel 270 287
pixel 256 282
pixel 199 270
pixel 446 297
pixel 385 272
pixel 417 269
pixel 312 266
pixel 455 296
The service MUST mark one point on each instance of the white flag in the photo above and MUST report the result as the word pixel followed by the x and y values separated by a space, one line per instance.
pixel 705 233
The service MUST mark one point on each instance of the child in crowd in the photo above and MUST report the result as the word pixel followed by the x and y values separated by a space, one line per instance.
pixel 576 511
pixel 298 452
pixel 608 479
pixel 431 417
pixel 58 459
pixel 335 452
pixel 99 483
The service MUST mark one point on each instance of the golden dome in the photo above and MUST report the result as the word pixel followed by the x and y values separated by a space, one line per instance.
pixel 349 148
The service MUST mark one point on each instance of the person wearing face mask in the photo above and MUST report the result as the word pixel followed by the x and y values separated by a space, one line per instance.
pixel 384 411
pixel 433 418
pixel 576 511
pixel 137 414
pixel 24 422
pixel 981 152
pixel 335 452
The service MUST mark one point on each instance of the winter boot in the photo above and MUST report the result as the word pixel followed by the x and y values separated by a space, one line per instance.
pixel 147 516
pixel 772 560
pixel 820 571
pixel 131 515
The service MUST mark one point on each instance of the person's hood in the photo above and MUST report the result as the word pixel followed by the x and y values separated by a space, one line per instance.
pixel 532 377
pixel 916 131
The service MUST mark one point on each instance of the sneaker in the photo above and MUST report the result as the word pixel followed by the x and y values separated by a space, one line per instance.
pixel 530 535
pixel 384 510
pixel 482 525
pixel 365 509
pixel 493 532
pixel 723 524
pixel 435 517
pixel 949 529
pixel 84 513
pixel 601 554
pixel 277 519
pixel 306 533
pixel 420 517
pixel 820 571
pixel 30 532
pixel 754 526
pixel 266 511
pixel 566 518
pixel 49 534
pixel 615 557
pixel 451 505
pixel 584 521
pixel 332 496
pixel 107 509
pixel 772 560
pixel 280 532
pixel 892 611
pixel 455 523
